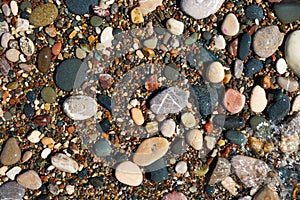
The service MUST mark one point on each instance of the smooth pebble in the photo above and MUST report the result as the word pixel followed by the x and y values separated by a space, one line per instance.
pixel 195 138
pixel 64 163
pixel 129 173
pixel 258 99
pixel 30 179
pixel 174 26
pixel 230 25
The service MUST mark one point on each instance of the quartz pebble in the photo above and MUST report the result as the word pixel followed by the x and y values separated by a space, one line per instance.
pixel 292 48
pixel 188 120
pixel 22 25
pixel 4 67
pixel 234 101
pixel 181 167
pixel 12 55
pixel 174 26
pixel 30 180
pixel 11 152
pixel 70 189
pixel 220 42
pixel 258 99
pixel 150 150
pixel 137 116
pixel 147 6
pixel 266 193
pixel 195 138
pixel 137 16
pixel 44 59
pixel 215 72
pixel 230 25
pixel 12 191
pixel 43 14
pixel 64 163
pixel 129 173
pixel 27 46
pixel 167 128
pixel 45 153
pixel 221 171
pixel 288 84
pixel 281 66
pixel 14 7
pixel 5 38
pixel 34 136
pixel 80 107
pixel 107 36
pixel 13 172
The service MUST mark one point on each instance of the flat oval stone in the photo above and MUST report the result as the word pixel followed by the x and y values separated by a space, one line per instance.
pixel 174 26
pixel 12 55
pixel 44 59
pixel 267 40
pixel 80 7
pixel 129 173
pixel 48 94
pixel 56 48
pixel 195 138
pixel 150 150
pixel 234 101
pixel 14 7
pixel 258 99
pixel 215 72
pixel 102 148
pixel 64 163
pixel 137 116
pixel 292 49
pixel 281 66
pixel 11 152
pixel 236 137
pixel 230 25
pixel 188 120
pixel 43 14
pixel 30 180
pixel 12 191
pixel 80 107
pixel 171 72
pixel 238 68
pixel 287 12
pixel 244 46
pixel 6 10
pixel 279 109
pixel 253 12
pixel 27 46
pixel 288 84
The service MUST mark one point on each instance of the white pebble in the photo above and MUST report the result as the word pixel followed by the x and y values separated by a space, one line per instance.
pixel 45 153
pixel 220 42
pixel 70 189
pixel 6 10
pixel 14 7
pixel 281 66
pixel 107 36
pixel 174 26
pixel 34 136
pixel 11 174
pixel 181 167
pixel 167 128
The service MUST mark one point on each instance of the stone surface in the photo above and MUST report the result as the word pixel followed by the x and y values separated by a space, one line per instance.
pixel 266 193
pixel 34 136
pixel 292 48
pixel 188 120
pixel 12 55
pixel 230 25
pixel 236 137
pixel 27 46
pixel 220 42
pixel 43 14
pixel 234 101
pixel 136 15
pixel 167 128
pixel 229 184
pixel 221 171
pixel 48 94
pixel 287 12
pixel 251 171
pixel 150 150
pixel 80 107
pixel 170 100
pixel 181 167
pixel 129 173
pixel 152 127
pixel 84 7
pixel 244 46
pixel 195 138
pixel 102 148
pixel 105 80
pixel 288 84
pixel 150 43
pixel 200 9
pixel 147 6
pixel 11 152
pixel 30 179
pixel 12 191
pixel 44 59
pixel 258 99
pixel 174 196
pixel 174 26
pixel 137 116
pixel 267 40
pixel 64 163
pixel 252 67
pixel 253 12
pixel 281 66
pixel 215 72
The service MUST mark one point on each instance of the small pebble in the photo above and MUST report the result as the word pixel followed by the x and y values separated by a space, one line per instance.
pixel 230 25
pixel 174 196
pixel 174 26
pixel 11 174
pixel 238 68
pixel 215 72
pixel 48 95
pixel 167 128
pixel 27 46
pixel 64 163
pixel 244 46
pixel 234 101
pixel 11 191
pixel 258 99
pixel 56 48
pixel 14 8
pixel 195 138
pixel 181 167
pixel 26 156
pixel 137 116
pixel 6 10
pixel 221 171
pixel 44 59
pixel 45 153
pixel 102 148
pixel 80 53
pixel 188 120
pixel 288 84
pixel 252 67
pixel 281 66
pixel 147 6
pixel 34 136
pixel 43 14
pixel 236 137
pixel 220 42
pixel 253 12
pixel 12 55
pixel 137 16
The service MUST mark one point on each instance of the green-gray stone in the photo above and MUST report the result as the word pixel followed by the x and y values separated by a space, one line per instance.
pixel 96 21
pixel 192 39
pixel 43 15
pixel 25 4
pixel 236 137
pixel 48 94
pixel 261 126
pixel 171 72
pixel 102 148
pixel 287 12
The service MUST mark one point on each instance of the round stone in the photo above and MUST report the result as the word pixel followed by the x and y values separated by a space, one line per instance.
pixel 215 72
pixel 137 116
pixel 12 190
pixel 43 14
pixel 181 167
pixel 102 148
pixel 171 72
pixel 5 38
pixel 80 53
pixel 288 84
pixel 167 128
pixel 27 46
pixel 30 180
pixel 96 21
pixel 48 94
pixel 281 66
pixel 220 42
pixel 174 26
pixel 44 59
pixel 107 36
pixel 11 152
pixel 150 150
pixel 253 12
pixel 64 163
pixel 236 137
pixel 14 7
pixel 12 55
pixel 80 7
pixel 195 138
pixel 292 49
pixel 80 107
pixel 230 25
pixel 188 120
pixel 234 101
pixel 258 99
pixel 129 173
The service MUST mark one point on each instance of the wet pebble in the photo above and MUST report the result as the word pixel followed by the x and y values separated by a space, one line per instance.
pixel 220 42
pixel 296 104
pixel 12 55
pixel 6 10
pixel 29 111
pixel 43 14
pixel 258 99
pixel 195 138
pixel 44 60
pixel 266 193
pixel 129 173
pixel 252 67
pixel 136 15
pixel 34 136
pixel 292 8
pixel 230 25
pixel 279 108
pixel 137 116
pixel 167 128
pixel 4 67
pixel 12 190
pixel 102 148
pixel 48 94
pixel 147 6
pixel 215 72
pixel 174 26
pixel 27 46
pixel 174 196
pixel 171 72
pixel 56 48
pixel 236 137
pixel 234 101
pixel 228 121
pixel 158 171
pixel 238 68
pixel 84 8
pixel 14 7
pixel 281 66
pixel 288 84
pixel 244 46
pixel 188 120
pixel 181 167
pixel 11 174
pixel 11 152
pixel 64 163
pixel 30 179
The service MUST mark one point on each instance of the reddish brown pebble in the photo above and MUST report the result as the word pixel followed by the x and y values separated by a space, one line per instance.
pixel 174 196
pixel 151 83
pixel 234 101
pixel 56 48
pixel 44 59
pixel 105 81
pixel 42 120
pixel 233 47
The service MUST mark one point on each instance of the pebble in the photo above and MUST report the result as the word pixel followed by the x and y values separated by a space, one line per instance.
pixel 200 9
pixel 266 193
pixel 258 99
pixel 45 153
pixel 107 36
pixel 238 68
pixel 150 150
pixel 102 148
pixel 215 72
pixel 174 196
pixel 64 163
pixel 292 8
pixel 11 152
pixel 178 146
pixel 220 42
pixel 12 55
pixel 12 191
pixel 228 121
pixel 174 26
pixel 44 14
pixel 70 74
pixel 84 7
pixel 150 43
pixel 292 47
pixel 30 179
pixel 56 48
pixel 236 137
pixel 22 25
pixel 29 111
pixel 279 108
pixel 252 67
pixel 14 8
pixel 70 189
pixel 80 107
pixel 96 21
pixel 288 84
pixel 27 155
pixel 105 101
pixel 191 39
pixel 27 46
pixel 137 116
pixel 290 141
pixel 230 25
pixel 296 104
pixel 147 6
pixel 195 138
pixel 167 128
pixel 244 46
pixel 6 10
pixel 229 184
pixel 34 136
pixel 48 95
pixel 188 120
pixel 253 12
pixel 170 100
pixel 267 40
pixel 80 53
pixel 11 174
pixel 4 67
pixel 260 125
pixel 129 173
pixel 137 16
pixel 44 59
pixel 171 72
pixel 97 181
pixel 181 167
pixel 105 80
pixel 221 171
pixel 234 101
pixel 256 144
pixel 53 188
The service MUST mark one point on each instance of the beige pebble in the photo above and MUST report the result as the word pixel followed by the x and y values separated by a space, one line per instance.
pixel 195 138
pixel 289 143
pixel 107 36
pixel 181 167
pixel 14 7
pixel 215 72
pixel 3 170
pixel 63 163
pixel 70 189
pixel 152 127
pixel 188 120
pixel 129 173
pixel 11 174
pixel 229 184
pixel 258 99
pixel 27 155
pixel 34 136
pixel 12 55
pixel 288 84
pixel 148 6
pixel 80 54
pixel 266 193
pixel 137 116
pixel 174 26
pixel 230 25
pixel 45 153
pixel 296 104
pixel 30 180
pixel 167 128
pixel 137 16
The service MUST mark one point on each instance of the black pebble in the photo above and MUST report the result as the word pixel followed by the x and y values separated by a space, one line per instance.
pixel 252 66
pixel 158 171
pixel 80 7
pixel 105 101
pixel 97 181
pixel 279 109
pixel 244 46
pixel 229 122
pixel 29 111
pixel 104 125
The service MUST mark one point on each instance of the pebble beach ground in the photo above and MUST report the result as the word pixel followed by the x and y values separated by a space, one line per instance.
pixel 149 99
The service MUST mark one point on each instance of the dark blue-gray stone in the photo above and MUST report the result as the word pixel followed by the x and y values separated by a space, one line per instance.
pixel 228 121
pixel 102 148
pixel 81 7
pixel 236 137
pixel 287 12
pixel 178 146
pixel 105 101
pixel 254 12
pixel 104 125
pixel 244 46
pixel 158 171
pixel 252 66
pixel 29 111
pixel 11 191
pixel 279 109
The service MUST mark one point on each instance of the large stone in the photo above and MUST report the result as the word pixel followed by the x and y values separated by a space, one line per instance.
pixel 150 150
pixel 199 9
pixel 129 173
pixel 221 171
pixel 64 163
pixel 287 12
pixel 171 100
pixel 11 152
pixel 11 191
pixel 43 14
pixel 292 51
pixel 30 180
